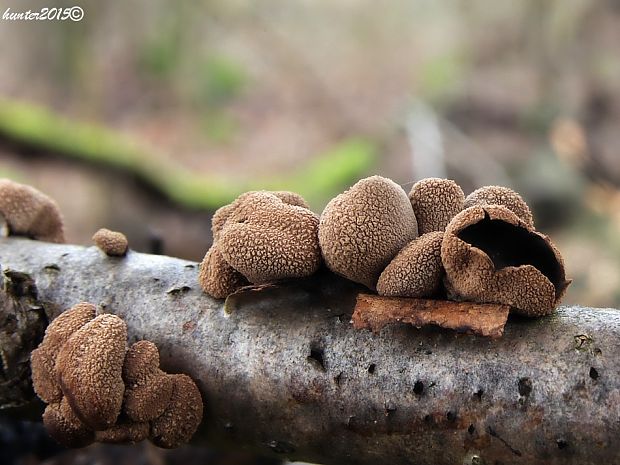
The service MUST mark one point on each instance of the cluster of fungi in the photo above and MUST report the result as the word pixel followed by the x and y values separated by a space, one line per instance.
pixel 433 243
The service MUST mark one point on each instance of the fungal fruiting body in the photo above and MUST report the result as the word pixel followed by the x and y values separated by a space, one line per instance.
pixel 97 390
pixel 259 238
pixel 113 243
pixel 28 212
pixel 435 202
pixel 504 196
pixel 492 255
pixel 362 229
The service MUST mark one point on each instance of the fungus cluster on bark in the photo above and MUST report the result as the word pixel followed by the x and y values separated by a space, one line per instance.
pixel 98 390
pixel 112 243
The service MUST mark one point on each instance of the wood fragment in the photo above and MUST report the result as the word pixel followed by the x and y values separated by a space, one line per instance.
pixel 374 312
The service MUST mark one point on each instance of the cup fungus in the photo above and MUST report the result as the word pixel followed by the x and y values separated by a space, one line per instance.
pixel 65 427
pixel 492 255
pixel 416 271
pixel 217 277
pixel 362 229
pixel 435 202
pixel 29 212
pixel 499 195
pixel 113 243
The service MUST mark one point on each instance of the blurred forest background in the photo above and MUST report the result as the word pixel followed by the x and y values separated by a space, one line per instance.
pixel 147 115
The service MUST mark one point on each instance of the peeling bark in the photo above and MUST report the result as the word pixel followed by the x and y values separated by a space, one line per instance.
pixel 282 370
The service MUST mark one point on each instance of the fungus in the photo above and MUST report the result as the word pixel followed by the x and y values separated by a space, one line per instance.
pixel 416 271
pixel 182 416
pixel 362 229
pixel 217 277
pixel 491 255
pixel 29 212
pixel 124 433
pixel 65 427
pixel 266 239
pixel 435 202
pixel 89 367
pixel 113 243
pixel 498 195
pixel 43 358
pixel 148 389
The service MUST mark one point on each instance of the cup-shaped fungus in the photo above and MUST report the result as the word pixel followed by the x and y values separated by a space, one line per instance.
pixel 65 427
pixel 435 202
pixel 217 278
pixel 29 212
pixel 504 196
pixel 148 389
pixel 113 243
pixel 89 367
pixel 362 229
pixel 416 271
pixel 43 358
pixel 491 255
pixel 124 433
pixel 266 239
pixel 178 423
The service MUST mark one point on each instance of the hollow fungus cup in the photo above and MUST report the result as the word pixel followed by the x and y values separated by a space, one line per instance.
pixel 259 238
pixel 491 255
pixel 28 212
pixel 362 229
pixel 112 243
pixel 97 390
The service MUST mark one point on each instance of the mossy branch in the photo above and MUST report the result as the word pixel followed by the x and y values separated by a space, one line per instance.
pixel 282 370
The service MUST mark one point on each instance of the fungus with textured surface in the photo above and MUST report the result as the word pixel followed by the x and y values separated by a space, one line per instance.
pixel 65 427
pixel 435 202
pixel 217 278
pixel 124 433
pixel 182 416
pixel 113 243
pixel 362 229
pixel 89 369
pixel 504 196
pixel 491 255
pixel 29 212
pixel 266 239
pixel 148 389
pixel 43 358
pixel 416 271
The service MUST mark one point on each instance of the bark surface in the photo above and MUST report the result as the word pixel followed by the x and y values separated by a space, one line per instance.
pixel 283 371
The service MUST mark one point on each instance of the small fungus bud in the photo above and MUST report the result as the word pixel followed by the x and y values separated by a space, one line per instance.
pixel 416 271
pixel 492 256
pixel 113 243
pixel 89 369
pixel 65 427
pixel 124 433
pixel 182 416
pixel 217 277
pixel 435 202
pixel 148 389
pixel 29 212
pixel 362 229
pixel 498 195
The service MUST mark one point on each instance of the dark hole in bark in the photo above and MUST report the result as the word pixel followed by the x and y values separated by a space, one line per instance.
pixel 316 357
pixel 418 387
pixel 562 444
pixel 478 394
pixel 371 368
pixel 594 373
pixel 525 387
pixel 471 429
pixel 428 419
pixel 509 245
pixel 451 416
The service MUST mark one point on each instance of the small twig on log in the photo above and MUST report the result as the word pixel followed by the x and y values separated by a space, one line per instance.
pixel 374 312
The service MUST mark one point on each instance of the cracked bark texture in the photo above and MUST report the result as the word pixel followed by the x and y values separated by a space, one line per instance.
pixel 283 371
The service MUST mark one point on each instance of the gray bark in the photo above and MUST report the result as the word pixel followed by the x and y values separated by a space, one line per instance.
pixel 282 370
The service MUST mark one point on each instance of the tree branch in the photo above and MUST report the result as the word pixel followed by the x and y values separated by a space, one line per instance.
pixel 282 370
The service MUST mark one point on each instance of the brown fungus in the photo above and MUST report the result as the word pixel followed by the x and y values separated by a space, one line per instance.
pixel 89 367
pixel 113 243
pixel 362 229
pixel 504 196
pixel 491 255
pixel 43 358
pixel 217 278
pixel 266 239
pixel 416 271
pixel 29 212
pixel 435 202
pixel 182 416
pixel 147 388
pixel 124 433
pixel 65 427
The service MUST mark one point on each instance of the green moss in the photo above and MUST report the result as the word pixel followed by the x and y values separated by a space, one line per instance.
pixel 323 177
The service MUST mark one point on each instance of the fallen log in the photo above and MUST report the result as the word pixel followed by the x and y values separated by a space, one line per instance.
pixel 283 371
